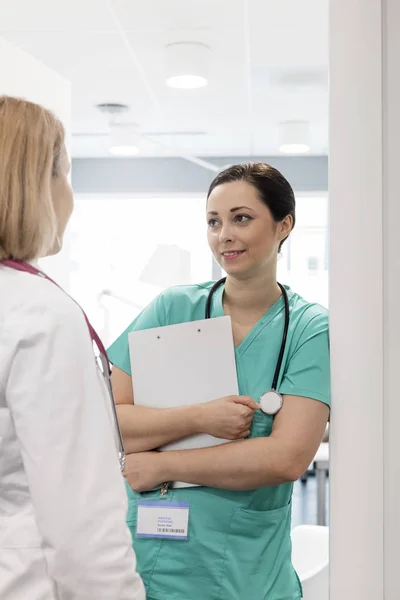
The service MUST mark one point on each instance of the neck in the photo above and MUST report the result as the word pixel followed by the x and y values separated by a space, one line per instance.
pixel 253 294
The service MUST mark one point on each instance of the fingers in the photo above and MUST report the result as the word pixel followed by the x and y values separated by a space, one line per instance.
pixel 246 401
pixel 243 435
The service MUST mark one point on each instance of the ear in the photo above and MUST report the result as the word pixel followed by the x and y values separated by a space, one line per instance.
pixel 286 227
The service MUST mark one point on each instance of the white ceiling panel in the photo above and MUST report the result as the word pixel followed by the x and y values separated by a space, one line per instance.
pixel 269 64
pixel 289 33
pixel 75 53
pixel 54 15
pixel 172 15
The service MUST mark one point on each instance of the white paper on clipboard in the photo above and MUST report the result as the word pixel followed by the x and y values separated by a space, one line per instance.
pixel 184 364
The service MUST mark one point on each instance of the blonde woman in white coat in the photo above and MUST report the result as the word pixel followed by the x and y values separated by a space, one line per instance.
pixel 62 498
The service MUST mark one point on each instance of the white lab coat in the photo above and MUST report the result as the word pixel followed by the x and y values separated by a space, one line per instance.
pixel 62 499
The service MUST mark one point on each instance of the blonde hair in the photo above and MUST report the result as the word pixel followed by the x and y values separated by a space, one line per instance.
pixel 31 143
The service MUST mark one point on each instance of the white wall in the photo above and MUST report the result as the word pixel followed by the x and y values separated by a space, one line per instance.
pixel 24 76
pixel 391 281
pixel 365 291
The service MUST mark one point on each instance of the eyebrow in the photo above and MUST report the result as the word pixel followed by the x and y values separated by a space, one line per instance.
pixel 213 212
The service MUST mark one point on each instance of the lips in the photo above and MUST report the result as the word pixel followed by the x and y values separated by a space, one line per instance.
pixel 232 254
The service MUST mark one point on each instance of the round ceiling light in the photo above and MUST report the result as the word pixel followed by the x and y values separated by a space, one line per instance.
pixel 187 82
pixel 294 148
pixel 124 150
pixel 187 65
pixel 123 141
pixel 294 137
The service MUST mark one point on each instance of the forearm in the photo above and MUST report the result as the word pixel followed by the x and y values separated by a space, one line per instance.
pixel 146 428
pixel 241 465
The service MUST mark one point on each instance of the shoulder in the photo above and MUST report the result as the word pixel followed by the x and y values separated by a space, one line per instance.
pixel 37 316
pixel 184 302
pixel 178 304
pixel 307 369
pixel 188 293
pixel 307 318
pixel 305 311
pixel 34 302
pixel 173 305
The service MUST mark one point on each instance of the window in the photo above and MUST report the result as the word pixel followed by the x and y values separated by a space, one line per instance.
pixel 124 251
pixel 304 261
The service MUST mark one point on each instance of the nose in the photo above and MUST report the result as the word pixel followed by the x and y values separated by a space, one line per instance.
pixel 225 233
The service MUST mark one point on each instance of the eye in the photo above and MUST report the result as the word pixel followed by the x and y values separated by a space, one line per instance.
pixel 242 218
pixel 212 222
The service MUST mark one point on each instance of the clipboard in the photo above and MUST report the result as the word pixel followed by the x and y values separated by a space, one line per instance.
pixel 181 365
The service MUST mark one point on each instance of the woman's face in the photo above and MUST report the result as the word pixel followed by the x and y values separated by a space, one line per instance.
pixel 242 235
pixel 63 199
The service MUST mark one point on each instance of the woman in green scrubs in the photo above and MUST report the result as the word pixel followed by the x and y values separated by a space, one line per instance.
pixel 238 545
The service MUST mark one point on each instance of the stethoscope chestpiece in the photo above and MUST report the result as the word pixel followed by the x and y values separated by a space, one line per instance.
pixel 271 402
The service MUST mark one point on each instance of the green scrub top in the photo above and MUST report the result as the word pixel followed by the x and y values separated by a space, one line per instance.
pixel 239 541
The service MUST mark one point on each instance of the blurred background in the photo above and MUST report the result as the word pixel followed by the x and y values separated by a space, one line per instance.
pixel 165 94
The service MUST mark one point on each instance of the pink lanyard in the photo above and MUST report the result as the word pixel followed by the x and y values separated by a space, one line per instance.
pixel 105 363
pixel 27 268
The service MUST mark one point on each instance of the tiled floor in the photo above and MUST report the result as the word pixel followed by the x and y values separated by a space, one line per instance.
pixel 304 505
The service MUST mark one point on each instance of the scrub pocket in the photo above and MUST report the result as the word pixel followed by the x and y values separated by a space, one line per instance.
pixel 146 549
pixel 192 569
pixel 258 557
pixel 262 425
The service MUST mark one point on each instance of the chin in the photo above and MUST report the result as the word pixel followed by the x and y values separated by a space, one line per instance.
pixel 238 271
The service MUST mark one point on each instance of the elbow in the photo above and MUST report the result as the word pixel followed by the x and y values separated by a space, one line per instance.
pixel 130 442
pixel 292 469
pixel 292 474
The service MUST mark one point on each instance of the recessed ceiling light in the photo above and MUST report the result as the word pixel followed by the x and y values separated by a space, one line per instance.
pixel 123 140
pixel 294 148
pixel 187 65
pixel 187 82
pixel 294 137
pixel 124 150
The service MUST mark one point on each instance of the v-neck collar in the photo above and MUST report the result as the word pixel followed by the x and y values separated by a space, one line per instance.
pixel 217 310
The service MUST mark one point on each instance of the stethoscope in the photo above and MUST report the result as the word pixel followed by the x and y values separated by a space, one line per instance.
pixel 102 360
pixel 270 401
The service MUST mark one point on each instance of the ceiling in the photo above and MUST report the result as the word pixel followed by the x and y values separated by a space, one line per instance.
pixel 269 64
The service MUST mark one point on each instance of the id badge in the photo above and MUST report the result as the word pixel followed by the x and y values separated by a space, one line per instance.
pixel 163 520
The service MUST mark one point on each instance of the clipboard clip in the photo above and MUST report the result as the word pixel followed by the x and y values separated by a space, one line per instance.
pixel 164 489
